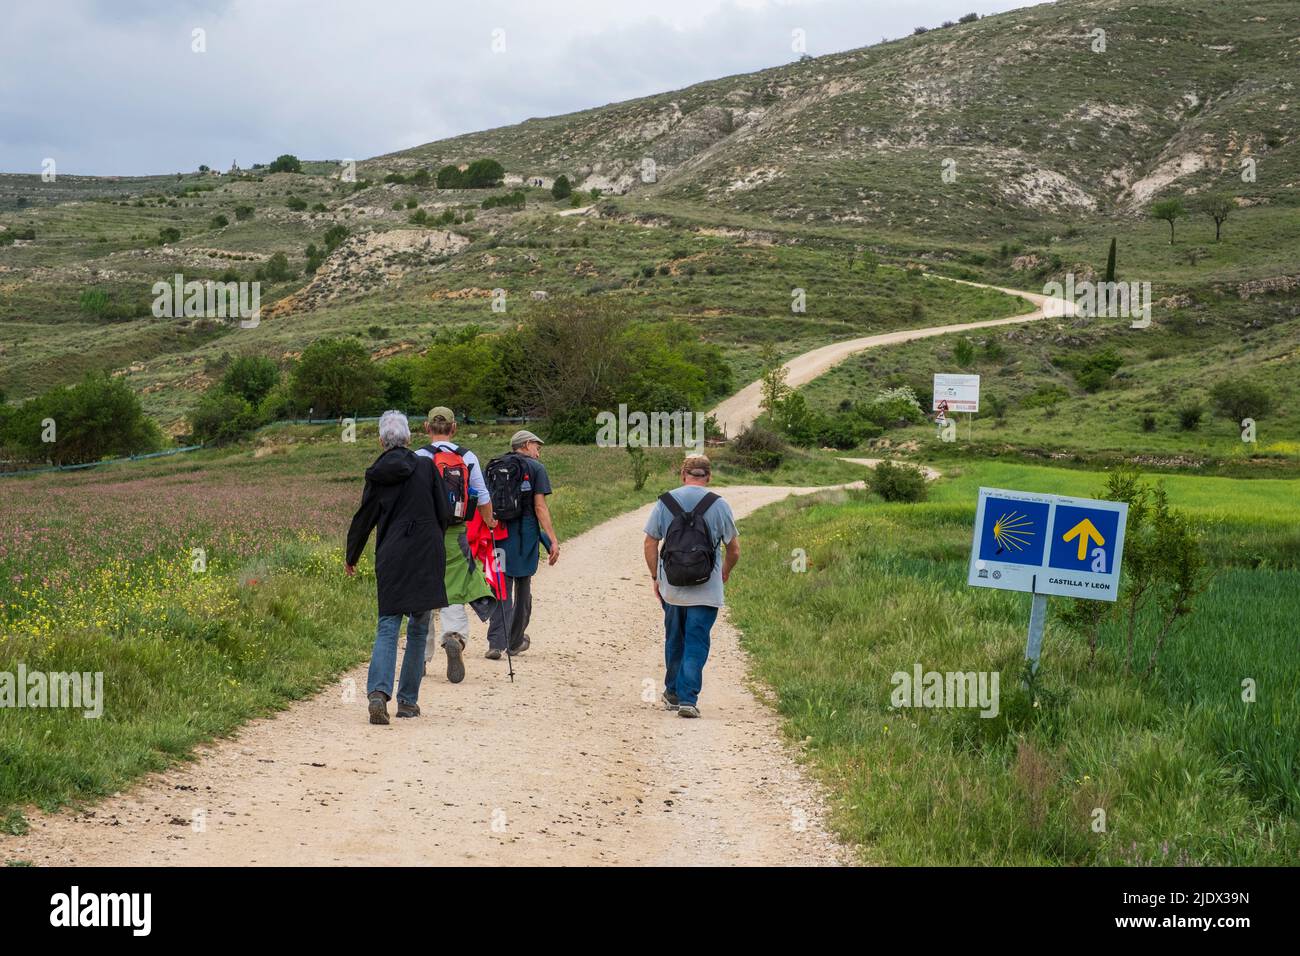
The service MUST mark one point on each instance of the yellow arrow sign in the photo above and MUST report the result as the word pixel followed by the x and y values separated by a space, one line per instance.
pixel 1084 530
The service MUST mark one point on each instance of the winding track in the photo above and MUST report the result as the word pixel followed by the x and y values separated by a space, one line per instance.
pixel 739 411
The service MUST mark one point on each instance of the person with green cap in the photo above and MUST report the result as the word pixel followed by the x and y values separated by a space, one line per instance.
pixel 520 479
pixel 462 477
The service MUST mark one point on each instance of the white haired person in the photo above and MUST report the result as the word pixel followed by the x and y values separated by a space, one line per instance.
pixel 404 498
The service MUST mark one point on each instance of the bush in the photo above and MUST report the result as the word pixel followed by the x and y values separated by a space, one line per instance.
pixel 99 417
pixel 1148 423
pixel 963 352
pixel 334 237
pixel 420 178
pixel 250 377
pixel 1098 369
pixel 277 268
pixel 562 188
pixel 513 200
pixel 1241 398
pixel 168 234
pixel 219 222
pixel 221 417
pixel 759 449
pixel 243 212
pixel 334 376
pixel 895 482
pixel 484 174
pixel 285 163
pixel 449 177
pixel 296 204
pixel 1189 416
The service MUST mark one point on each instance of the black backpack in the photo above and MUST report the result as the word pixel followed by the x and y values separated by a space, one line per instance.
pixel 505 481
pixel 689 551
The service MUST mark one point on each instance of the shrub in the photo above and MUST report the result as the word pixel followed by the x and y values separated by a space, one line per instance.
pixel 561 189
pixel 449 177
pixel 285 163
pixel 1189 416
pixel 396 179
pixel 98 417
pixel 334 376
pixel 514 200
pixel 963 352
pixel 1098 369
pixel 277 268
pixel 1148 423
pixel 296 203
pixel 168 234
pixel 1241 398
pixel 221 417
pixel 759 449
pixel 484 174
pixel 250 377
pixel 243 212
pixel 968 18
pixel 334 237
pixel 420 177
pixel 219 222
pixel 895 482
pixel 314 259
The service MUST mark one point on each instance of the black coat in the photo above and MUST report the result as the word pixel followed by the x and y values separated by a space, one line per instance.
pixel 405 498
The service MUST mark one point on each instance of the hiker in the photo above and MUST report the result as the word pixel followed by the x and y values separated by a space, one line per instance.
pixel 518 484
pixel 693 523
pixel 404 497
pixel 462 478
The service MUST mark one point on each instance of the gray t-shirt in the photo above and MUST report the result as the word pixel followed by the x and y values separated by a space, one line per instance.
pixel 722 528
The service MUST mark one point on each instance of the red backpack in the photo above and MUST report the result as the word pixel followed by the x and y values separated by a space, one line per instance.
pixel 451 465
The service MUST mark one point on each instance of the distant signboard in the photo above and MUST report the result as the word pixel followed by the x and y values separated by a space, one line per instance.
pixel 1048 544
pixel 960 392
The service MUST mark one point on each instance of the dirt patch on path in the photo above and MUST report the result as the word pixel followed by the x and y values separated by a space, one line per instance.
pixel 570 762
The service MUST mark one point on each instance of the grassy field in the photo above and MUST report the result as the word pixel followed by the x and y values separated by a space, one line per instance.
pixel 97 574
pixel 1186 772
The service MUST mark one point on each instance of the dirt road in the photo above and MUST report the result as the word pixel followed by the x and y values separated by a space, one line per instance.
pixel 738 411
pixel 569 765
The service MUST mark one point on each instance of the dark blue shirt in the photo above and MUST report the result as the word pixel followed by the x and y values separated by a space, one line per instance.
pixel 524 535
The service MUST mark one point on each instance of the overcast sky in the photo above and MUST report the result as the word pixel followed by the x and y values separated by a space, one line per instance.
pixel 115 87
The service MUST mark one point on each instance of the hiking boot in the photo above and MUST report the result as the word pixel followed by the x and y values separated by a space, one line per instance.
pixel 688 710
pixel 378 708
pixel 454 645
pixel 493 654
pixel 407 710
pixel 670 701
pixel 523 646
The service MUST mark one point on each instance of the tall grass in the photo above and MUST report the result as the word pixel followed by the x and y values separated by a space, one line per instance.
pixel 1184 770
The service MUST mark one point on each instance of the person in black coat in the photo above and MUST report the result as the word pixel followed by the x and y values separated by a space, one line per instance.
pixel 405 499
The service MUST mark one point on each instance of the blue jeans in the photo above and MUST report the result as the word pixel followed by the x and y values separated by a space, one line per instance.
pixel 686 648
pixel 383 659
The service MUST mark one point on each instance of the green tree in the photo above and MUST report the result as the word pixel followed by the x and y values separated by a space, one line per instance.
pixel 250 377
pixel 964 352
pixel 561 189
pixel 277 268
pixel 1238 398
pixel 484 173
pixel 334 237
pixel 1218 206
pixel 334 376
pixel 221 417
pixel 450 177
pixel 285 163
pixel 99 417
pixel 1169 210
pixel 1110 262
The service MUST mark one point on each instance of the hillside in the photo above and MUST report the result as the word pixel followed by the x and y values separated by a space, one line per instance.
pixel 803 176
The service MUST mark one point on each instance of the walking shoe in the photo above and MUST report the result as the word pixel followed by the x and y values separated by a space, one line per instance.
pixel 493 654
pixel 454 644
pixel 688 710
pixel 523 646
pixel 670 701
pixel 407 710
pixel 378 708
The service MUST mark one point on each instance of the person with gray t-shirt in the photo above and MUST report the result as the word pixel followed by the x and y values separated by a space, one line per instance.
pixel 690 610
